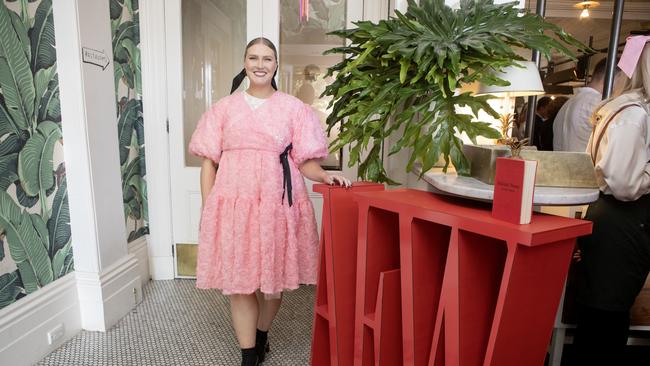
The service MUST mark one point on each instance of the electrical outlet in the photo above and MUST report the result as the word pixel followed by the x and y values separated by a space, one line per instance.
pixel 55 334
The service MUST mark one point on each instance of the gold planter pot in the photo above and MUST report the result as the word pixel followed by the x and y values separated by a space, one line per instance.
pixel 554 168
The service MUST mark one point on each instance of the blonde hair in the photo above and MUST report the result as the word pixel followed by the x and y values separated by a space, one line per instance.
pixel 639 82
pixel 641 77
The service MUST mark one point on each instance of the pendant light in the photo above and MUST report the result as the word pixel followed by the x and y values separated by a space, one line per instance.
pixel 585 6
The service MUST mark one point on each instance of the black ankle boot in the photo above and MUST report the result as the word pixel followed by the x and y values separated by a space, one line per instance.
pixel 249 357
pixel 261 345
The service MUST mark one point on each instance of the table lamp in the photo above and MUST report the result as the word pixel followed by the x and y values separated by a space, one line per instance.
pixel 524 81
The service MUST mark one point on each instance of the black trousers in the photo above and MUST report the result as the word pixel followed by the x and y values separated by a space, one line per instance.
pixel 614 266
pixel 600 337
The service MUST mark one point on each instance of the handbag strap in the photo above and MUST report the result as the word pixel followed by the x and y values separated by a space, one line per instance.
pixel 604 129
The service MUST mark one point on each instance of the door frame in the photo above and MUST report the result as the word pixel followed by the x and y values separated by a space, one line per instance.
pixel 156 94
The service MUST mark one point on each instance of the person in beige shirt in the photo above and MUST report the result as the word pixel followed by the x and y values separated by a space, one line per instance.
pixel 615 259
pixel 621 160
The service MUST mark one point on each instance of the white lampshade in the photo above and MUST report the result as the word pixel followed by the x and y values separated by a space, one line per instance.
pixel 524 81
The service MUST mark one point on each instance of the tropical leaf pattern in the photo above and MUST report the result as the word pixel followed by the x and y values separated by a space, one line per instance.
pixel 37 236
pixel 16 78
pixel 26 245
pixel 9 288
pixel 125 26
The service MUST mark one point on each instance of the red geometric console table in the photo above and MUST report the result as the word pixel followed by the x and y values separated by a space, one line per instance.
pixel 333 337
pixel 473 290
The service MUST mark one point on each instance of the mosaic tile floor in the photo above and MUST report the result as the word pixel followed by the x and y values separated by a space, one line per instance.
pixel 176 324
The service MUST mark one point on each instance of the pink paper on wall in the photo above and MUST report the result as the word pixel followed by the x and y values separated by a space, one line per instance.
pixel 631 53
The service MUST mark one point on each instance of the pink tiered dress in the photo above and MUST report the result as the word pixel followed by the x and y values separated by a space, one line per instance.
pixel 250 238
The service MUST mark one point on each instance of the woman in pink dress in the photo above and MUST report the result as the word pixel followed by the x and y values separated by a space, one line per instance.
pixel 258 232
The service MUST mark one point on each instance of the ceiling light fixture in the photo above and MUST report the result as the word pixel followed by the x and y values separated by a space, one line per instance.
pixel 585 6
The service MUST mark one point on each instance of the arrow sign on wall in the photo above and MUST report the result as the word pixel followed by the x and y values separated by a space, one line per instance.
pixel 94 57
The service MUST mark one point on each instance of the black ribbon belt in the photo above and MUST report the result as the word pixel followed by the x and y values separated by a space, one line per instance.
pixel 286 172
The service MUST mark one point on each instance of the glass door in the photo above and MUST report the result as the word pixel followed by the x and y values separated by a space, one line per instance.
pixel 205 42
pixel 303 67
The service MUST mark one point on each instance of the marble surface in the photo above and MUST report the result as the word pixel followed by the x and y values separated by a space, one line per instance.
pixel 468 187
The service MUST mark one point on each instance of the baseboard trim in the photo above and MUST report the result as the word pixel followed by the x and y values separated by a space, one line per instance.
pixel 24 324
pixel 27 305
pixel 106 297
pixel 139 248
pixel 137 244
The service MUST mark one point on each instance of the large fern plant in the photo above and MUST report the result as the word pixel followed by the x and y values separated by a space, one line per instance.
pixel 403 74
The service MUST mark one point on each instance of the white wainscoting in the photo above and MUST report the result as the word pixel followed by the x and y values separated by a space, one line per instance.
pixel 139 248
pixel 24 325
pixel 106 298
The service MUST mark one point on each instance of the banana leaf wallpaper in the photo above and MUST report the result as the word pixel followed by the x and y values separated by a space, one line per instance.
pixel 125 25
pixel 35 237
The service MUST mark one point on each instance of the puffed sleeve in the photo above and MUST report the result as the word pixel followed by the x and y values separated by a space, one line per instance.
pixel 206 140
pixel 624 163
pixel 308 138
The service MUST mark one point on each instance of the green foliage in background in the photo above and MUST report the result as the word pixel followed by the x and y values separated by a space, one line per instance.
pixel 34 225
pixel 126 57
pixel 401 76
